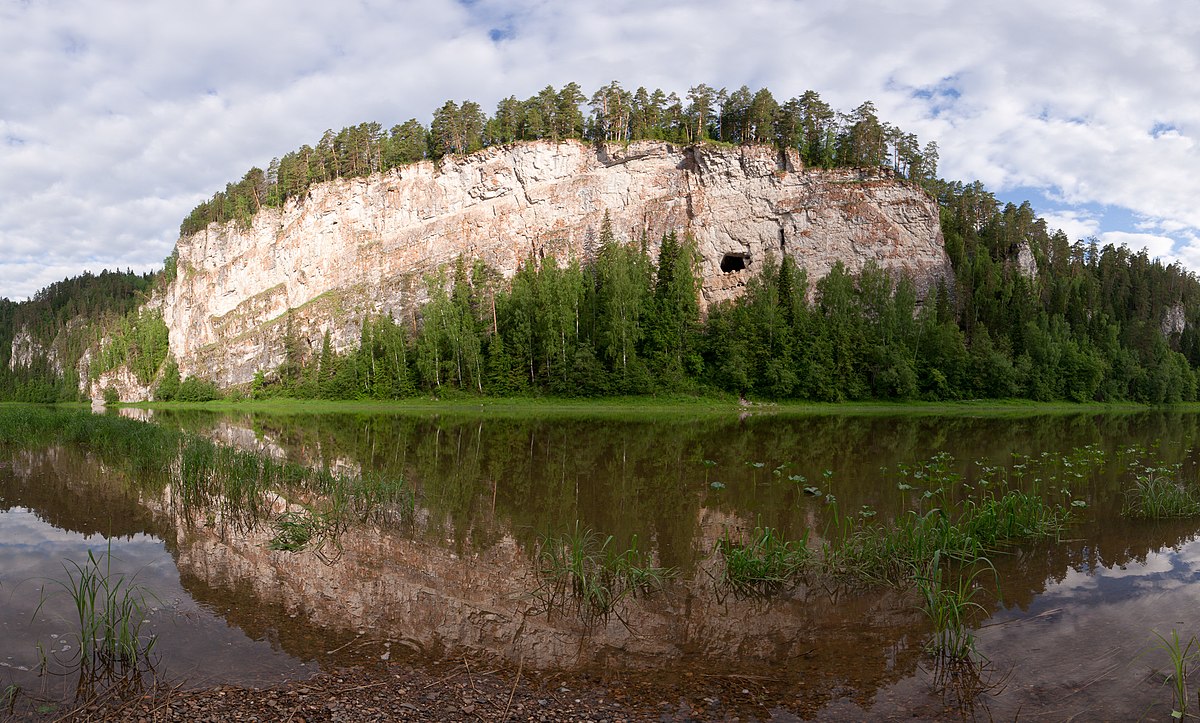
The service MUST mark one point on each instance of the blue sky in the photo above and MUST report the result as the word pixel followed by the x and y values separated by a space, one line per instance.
pixel 116 118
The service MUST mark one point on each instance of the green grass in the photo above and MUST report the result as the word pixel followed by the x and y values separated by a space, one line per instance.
pixel 8 697
pixel 111 611
pixel 764 563
pixel 296 530
pixel 649 406
pixel 1181 654
pixel 948 600
pixel 1158 493
pixel 584 571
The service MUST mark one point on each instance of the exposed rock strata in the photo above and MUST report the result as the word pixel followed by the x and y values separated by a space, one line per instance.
pixel 363 245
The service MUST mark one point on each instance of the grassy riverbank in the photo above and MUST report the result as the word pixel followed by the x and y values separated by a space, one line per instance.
pixel 654 406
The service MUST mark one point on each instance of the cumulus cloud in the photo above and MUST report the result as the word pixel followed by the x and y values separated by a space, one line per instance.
pixel 118 117
pixel 1157 247
pixel 1076 224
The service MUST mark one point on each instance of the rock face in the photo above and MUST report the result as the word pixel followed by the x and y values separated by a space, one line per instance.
pixel 26 349
pixel 364 245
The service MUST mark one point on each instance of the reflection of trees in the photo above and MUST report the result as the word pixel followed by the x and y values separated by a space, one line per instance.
pixel 611 474
pixel 72 490
pixel 480 476
pixel 489 487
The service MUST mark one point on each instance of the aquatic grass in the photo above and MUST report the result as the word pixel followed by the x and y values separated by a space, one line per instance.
pixel 1158 493
pixel 111 610
pixel 937 527
pixel 295 530
pixel 584 570
pixel 948 600
pixel 377 498
pixel 244 486
pixel 8 697
pixel 939 548
pixel 1182 654
pixel 144 449
pixel 763 563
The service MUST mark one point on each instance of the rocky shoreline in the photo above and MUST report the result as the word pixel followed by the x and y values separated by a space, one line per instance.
pixel 452 692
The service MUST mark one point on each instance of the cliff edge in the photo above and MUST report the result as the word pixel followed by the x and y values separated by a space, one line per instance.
pixel 361 246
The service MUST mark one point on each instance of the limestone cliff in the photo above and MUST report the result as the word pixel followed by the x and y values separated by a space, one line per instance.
pixel 358 246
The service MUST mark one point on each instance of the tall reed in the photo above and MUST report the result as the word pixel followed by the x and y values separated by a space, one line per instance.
pixel 1182 654
pixel 763 563
pixel 111 610
pixel 586 571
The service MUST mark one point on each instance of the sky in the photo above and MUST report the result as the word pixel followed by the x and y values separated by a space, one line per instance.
pixel 118 116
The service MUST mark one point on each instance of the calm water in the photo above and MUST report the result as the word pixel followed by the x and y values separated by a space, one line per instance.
pixel 1072 635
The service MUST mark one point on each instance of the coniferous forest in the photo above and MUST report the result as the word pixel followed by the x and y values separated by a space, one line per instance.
pixel 1090 323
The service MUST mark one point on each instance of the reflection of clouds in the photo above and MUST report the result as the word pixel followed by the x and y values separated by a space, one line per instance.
pixel 35 609
pixel 1086 645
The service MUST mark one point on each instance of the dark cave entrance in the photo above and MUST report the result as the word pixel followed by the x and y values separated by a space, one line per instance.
pixel 733 262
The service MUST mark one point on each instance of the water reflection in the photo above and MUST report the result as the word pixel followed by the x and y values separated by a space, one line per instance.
pixel 57 504
pixel 456 578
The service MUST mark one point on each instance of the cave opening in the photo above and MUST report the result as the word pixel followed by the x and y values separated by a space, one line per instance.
pixel 733 262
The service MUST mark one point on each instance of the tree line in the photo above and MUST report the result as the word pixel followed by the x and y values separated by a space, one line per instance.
pixel 1086 325
pixel 1077 321
pixel 823 137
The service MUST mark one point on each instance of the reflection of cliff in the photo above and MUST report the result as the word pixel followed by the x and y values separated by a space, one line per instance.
pixel 435 602
pixel 484 479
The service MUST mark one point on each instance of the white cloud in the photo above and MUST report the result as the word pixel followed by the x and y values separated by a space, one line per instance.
pixel 118 117
pixel 1076 224
pixel 1158 247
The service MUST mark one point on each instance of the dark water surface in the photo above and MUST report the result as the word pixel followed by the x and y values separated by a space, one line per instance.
pixel 1071 635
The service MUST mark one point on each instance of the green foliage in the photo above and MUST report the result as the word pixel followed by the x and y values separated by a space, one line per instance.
pixel 762 564
pixel 168 387
pixel 822 136
pixel 195 389
pixel 112 610
pixel 296 530
pixel 137 340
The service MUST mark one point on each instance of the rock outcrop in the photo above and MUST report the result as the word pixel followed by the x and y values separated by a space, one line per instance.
pixel 364 245
pixel 27 351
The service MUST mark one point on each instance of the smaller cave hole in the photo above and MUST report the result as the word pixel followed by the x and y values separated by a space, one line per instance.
pixel 733 262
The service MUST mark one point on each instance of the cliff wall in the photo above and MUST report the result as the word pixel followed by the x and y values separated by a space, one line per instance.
pixel 364 245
